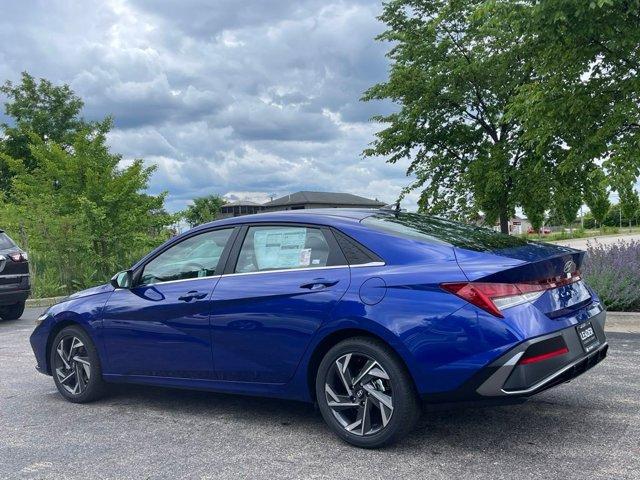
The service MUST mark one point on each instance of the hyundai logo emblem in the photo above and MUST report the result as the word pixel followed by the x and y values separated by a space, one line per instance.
pixel 570 266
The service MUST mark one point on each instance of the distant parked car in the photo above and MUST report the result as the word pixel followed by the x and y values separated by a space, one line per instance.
pixel 14 278
pixel 543 231
pixel 364 312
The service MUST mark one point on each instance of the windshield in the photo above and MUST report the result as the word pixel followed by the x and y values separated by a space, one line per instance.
pixel 438 230
pixel 5 242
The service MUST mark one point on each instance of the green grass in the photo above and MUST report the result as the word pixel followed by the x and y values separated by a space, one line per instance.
pixel 580 233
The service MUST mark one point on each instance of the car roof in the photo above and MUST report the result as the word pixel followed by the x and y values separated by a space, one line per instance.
pixel 312 215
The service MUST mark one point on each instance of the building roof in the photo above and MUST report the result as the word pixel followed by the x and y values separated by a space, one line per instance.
pixel 241 203
pixel 307 215
pixel 328 198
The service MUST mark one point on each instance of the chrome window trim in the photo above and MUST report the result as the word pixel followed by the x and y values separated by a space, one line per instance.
pixel 284 270
pixel 305 269
pixel 370 264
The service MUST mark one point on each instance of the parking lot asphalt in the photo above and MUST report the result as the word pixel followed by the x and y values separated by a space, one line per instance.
pixel 587 429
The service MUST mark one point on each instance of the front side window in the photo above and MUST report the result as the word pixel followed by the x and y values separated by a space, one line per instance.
pixel 282 248
pixel 195 257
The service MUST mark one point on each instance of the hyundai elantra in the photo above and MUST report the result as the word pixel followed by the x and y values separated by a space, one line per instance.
pixel 367 313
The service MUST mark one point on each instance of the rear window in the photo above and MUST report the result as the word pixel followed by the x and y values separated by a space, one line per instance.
pixel 416 226
pixel 5 242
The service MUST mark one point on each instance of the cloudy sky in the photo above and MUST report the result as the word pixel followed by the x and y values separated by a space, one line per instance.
pixel 244 98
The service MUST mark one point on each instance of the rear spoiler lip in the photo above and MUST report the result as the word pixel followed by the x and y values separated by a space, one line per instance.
pixel 515 274
pixel 496 267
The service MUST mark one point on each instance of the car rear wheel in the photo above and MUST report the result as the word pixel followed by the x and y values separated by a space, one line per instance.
pixel 12 312
pixel 76 367
pixel 365 393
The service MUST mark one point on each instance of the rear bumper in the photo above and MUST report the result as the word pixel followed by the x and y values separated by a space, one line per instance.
pixel 508 377
pixel 13 296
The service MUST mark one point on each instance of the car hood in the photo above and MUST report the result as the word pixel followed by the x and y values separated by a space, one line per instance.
pixel 73 301
pixel 90 291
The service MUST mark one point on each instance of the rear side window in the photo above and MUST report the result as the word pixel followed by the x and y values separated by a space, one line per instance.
pixel 438 230
pixel 282 248
pixel 5 242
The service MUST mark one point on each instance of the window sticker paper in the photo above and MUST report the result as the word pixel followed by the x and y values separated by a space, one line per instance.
pixel 279 248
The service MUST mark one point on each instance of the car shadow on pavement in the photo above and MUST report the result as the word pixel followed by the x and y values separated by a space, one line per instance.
pixel 441 428
pixel 198 402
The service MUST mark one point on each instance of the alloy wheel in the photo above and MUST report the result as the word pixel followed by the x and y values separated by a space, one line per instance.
pixel 72 366
pixel 358 392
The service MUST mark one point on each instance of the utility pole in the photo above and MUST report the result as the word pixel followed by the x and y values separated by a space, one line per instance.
pixel 620 210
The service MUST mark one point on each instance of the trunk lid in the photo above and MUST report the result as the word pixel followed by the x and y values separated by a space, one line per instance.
pixel 503 271
pixel 531 262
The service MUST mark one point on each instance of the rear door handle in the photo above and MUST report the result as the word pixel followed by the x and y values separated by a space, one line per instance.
pixel 319 283
pixel 193 294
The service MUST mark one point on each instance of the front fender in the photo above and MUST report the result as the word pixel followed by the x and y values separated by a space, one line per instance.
pixel 85 312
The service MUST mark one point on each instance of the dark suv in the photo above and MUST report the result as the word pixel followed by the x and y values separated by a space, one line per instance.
pixel 14 278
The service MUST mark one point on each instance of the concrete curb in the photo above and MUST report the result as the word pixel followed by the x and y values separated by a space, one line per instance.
pixel 623 322
pixel 43 302
pixel 635 315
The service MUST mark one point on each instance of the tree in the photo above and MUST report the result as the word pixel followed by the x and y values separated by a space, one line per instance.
pixel 203 210
pixel 535 196
pixel 585 97
pixel 36 108
pixel 596 196
pixel 456 67
pixel 83 214
pixel 566 204
pixel 629 203
pixel 506 104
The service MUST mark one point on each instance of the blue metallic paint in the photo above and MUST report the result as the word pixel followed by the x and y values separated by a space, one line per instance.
pixel 262 323
pixel 148 330
pixel 257 334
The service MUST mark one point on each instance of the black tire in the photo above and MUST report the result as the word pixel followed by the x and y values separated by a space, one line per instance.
pixel 12 312
pixel 92 386
pixel 399 385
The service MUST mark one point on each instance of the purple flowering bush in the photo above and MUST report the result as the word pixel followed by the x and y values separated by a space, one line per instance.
pixel 613 271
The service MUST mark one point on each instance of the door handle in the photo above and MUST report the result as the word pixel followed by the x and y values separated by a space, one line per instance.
pixel 193 294
pixel 319 283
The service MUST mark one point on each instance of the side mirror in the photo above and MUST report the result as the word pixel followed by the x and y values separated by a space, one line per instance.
pixel 122 279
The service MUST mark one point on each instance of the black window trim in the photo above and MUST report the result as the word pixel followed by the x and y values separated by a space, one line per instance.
pixel 373 258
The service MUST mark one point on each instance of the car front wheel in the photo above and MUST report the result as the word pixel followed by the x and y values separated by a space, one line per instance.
pixel 75 366
pixel 365 393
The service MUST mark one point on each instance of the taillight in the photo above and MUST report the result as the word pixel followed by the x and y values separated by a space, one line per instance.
pixel 526 360
pixel 494 297
pixel 19 257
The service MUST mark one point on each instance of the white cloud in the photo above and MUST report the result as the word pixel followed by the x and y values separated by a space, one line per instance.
pixel 244 99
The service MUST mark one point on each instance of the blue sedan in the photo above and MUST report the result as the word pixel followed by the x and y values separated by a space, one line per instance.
pixel 367 313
